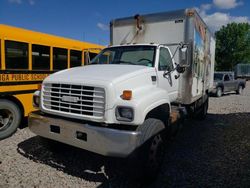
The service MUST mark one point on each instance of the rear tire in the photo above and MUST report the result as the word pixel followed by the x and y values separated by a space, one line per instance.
pixel 239 90
pixel 10 118
pixel 219 92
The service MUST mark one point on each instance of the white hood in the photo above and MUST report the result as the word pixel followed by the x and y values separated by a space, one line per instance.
pixel 103 73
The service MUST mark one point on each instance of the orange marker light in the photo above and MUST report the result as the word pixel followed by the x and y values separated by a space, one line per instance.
pixel 127 95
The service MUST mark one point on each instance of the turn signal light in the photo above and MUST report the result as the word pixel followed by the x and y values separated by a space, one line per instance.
pixel 126 95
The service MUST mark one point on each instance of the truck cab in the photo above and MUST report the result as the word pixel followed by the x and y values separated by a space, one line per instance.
pixel 156 56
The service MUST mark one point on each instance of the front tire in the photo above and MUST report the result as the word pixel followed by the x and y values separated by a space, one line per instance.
pixel 239 90
pixel 148 159
pixel 219 92
pixel 10 118
pixel 154 156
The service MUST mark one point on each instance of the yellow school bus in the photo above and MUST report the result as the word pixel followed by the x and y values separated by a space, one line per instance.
pixel 26 58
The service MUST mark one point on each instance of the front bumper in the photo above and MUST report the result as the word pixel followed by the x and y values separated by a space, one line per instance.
pixel 101 140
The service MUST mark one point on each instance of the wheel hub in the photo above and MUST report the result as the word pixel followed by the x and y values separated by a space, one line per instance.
pixel 1 120
pixel 6 118
pixel 219 92
pixel 156 152
pixel 240 90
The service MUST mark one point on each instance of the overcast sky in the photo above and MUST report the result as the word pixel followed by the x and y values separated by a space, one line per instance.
pixel 88 20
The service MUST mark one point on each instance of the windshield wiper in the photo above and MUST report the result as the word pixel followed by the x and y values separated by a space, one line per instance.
pixel 123 62
pixel 93 63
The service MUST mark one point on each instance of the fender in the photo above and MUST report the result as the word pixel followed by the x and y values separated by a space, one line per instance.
pixel 220 85
pixel 145 99
pixel 150 101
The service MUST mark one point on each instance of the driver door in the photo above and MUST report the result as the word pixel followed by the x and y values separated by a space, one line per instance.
pixel 227 83
pixel 168 82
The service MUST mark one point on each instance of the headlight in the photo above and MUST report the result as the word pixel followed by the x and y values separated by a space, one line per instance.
pixel 124 114
pixel 36 99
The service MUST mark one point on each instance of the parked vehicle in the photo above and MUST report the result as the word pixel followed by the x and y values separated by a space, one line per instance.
pixel 242 71
pixel 225 82
pixel 158 67
pixel 26 58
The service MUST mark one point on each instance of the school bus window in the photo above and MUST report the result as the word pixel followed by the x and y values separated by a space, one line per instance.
pixel 75 58
pixel 0 56
pixel 16 55
pixel 60 56
pixel 92 55
pixel 40 57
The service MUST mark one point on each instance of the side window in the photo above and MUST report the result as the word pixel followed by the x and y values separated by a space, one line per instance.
pixel 0 56
pixel 226 77
pixel 16 55
pixel 60 58
pixel 92 55
pixel 165 60
pixel 75 58
pixel 40 57
pixel 231 77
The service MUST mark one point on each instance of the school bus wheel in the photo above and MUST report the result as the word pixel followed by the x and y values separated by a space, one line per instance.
pixel 10 118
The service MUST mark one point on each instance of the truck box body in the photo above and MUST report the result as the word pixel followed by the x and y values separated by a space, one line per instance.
pixel 242 71
pixel 172 28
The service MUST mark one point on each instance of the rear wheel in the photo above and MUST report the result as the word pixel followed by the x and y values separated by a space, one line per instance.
pixel 202 114
pixel 239 90
pixel 10 118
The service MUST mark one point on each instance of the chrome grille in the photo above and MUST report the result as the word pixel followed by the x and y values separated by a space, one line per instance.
pixel 74 99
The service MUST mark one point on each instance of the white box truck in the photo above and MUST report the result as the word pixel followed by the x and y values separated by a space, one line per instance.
pixel 131 95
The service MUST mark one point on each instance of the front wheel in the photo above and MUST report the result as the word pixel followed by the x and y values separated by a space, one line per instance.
pixel 10 118
pixel 150 155
pixel 154 156
pixel 219 92
pixel 239 90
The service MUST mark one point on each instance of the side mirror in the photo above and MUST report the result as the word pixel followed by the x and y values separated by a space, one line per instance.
pixel 86 58
pixel 183 56
pixel 180 69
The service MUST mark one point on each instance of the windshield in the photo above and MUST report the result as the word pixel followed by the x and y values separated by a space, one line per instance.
pixel 218 76
pixel 132 55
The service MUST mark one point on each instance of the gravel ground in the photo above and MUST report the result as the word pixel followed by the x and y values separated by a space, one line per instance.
pixel 210 153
